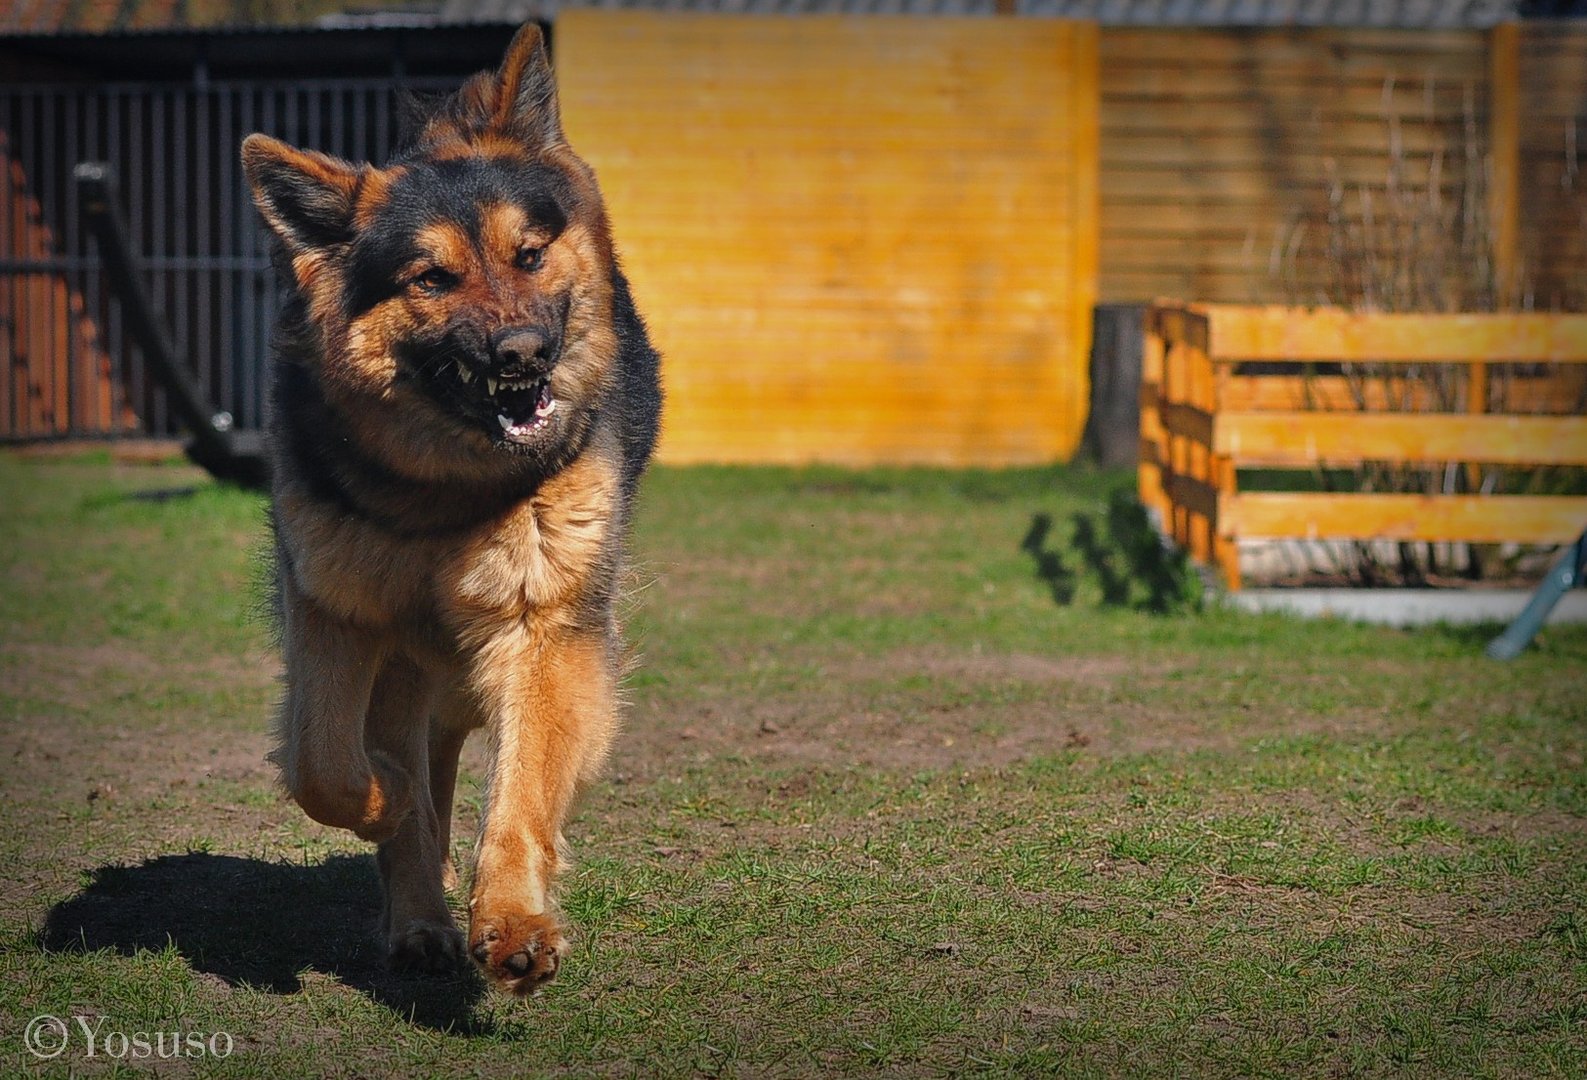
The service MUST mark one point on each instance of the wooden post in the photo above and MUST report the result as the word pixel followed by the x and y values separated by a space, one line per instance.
pixel 1198 394
pixel 1149 473
pixel 1225 477
pixel 1476 404
pixel 1504 155
pixel 1112 433
pixel 1226 552
pixel 1174 463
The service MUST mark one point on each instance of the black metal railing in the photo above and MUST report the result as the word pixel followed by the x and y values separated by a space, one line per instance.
pixel 202 254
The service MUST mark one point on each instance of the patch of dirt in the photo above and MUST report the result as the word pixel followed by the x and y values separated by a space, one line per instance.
pixel 1004 708
pixel 62 767
pixel 970 710
pixel 82 676
pixel 106 760
pixel 946 664
pixel 1521 827
pixel 122 451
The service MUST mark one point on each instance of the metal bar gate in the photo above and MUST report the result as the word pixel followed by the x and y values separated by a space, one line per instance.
pixel 68 366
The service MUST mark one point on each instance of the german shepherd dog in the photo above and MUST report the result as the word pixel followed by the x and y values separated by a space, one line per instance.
pixel 464 399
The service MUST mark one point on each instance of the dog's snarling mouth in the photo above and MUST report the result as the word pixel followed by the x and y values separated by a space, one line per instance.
pixel 521 407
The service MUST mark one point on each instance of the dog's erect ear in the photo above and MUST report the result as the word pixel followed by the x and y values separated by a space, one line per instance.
pixel 526 91
pixel 306 197
pixel 518 100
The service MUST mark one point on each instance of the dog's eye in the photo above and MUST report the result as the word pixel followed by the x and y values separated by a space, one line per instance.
pixel 435 280
pixel 530 258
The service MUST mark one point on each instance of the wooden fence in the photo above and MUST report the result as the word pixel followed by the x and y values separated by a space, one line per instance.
pixel 1226 388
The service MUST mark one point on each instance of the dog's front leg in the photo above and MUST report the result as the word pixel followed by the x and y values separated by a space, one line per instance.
pixel 330 672
pixel 550 698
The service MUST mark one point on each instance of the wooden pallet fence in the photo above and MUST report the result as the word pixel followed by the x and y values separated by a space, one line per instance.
pixel 1204 417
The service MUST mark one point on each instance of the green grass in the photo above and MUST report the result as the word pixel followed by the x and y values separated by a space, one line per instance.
pixel 882 806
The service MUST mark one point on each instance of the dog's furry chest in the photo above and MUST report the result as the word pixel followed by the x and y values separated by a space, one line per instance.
pixel 551 557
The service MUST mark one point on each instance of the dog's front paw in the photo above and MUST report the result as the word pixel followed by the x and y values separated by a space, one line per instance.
pixel 518 951
pixel 425 945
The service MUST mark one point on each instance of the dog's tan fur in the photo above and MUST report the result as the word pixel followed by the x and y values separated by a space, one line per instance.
pixel 457 594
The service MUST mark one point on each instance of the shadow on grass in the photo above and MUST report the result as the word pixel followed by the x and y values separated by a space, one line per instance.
pixel 1050 567
pixel 1131 564
pixel 260 924
pixel 109 499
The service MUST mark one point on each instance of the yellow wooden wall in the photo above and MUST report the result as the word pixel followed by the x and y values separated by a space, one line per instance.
pixel 856 240
pixel 1552 244
pixel 1220 147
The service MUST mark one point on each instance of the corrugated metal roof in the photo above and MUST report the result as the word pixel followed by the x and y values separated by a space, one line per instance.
pixel 113 16
pixel 133 16
pixel 516 10
pixel 1409 14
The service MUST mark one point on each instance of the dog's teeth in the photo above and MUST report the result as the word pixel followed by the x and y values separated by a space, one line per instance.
pixel 502 419
pixel 547 409
pixel 490 385
pixel 465 373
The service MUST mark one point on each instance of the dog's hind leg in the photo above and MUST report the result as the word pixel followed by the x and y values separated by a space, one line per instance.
pixel 455 716
pixel 330 673
pixel 550 695
pixel 417 926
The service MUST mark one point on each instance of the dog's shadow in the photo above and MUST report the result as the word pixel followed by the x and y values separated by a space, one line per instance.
pixel 260 924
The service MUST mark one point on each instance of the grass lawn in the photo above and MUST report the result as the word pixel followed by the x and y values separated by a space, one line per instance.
pixel 883 806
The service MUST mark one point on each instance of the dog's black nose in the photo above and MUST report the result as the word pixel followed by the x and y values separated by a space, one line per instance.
pixel 524 349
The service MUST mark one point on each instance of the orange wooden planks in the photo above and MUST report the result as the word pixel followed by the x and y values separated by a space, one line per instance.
pixel 1523 519
pixel 1329 334
pixel 1310 438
